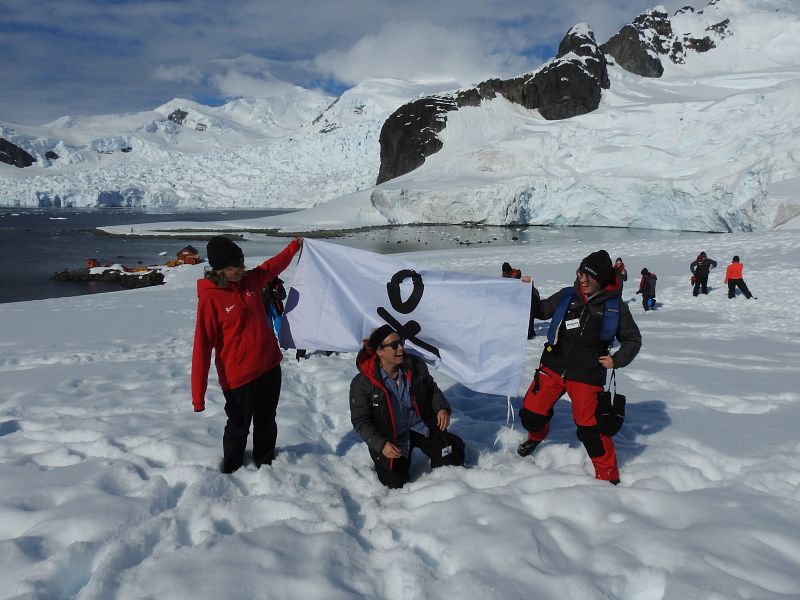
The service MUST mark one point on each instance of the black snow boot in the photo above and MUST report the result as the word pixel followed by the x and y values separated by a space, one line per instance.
pixel 526 447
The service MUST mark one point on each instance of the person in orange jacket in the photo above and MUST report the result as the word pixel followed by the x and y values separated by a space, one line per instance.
pixel 508 271
pixel 231 320
pixel 733 277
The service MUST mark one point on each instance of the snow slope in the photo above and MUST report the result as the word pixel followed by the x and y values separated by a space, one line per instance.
pixel 110 483
pixel 695 150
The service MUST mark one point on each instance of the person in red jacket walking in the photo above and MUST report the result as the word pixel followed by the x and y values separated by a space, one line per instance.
pixel 733 277
pixel 232 321
pixel 620 272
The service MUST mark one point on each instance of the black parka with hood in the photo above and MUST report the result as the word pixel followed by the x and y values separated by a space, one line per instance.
pixel 575 355
pixel 371 407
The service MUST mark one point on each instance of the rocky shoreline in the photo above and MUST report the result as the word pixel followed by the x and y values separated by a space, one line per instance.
pixel 126 280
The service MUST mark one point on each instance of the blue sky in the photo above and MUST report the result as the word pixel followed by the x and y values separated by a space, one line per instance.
pixel 81 57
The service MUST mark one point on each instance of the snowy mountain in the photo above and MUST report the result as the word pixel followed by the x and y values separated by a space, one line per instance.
pixel 693 129
pixel 295 150
pixel 692 140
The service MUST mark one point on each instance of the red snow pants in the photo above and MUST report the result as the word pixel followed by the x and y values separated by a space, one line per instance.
pixel 537 409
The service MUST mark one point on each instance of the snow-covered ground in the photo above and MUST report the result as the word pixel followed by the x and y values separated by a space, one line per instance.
pixel 110 485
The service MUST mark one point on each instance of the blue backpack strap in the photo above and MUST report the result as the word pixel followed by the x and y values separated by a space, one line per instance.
pixel 610 325
pixel 558 316
pixel 610 319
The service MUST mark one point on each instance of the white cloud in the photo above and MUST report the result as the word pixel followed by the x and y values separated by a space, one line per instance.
pixel 178 74
pixel 235 84
pixel 421 51
pixel 143 53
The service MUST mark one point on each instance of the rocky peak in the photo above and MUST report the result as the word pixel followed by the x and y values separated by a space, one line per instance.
pixel 638 46
pixel 178 116
pixel 567 86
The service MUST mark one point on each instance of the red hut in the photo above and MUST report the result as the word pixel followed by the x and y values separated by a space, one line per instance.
pixel 189 256
pixel 91 263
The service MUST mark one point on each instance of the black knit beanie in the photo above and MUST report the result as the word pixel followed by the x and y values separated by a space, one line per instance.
pixel 506 267
pixel 222 252
pixel 380 334
pixel 597 265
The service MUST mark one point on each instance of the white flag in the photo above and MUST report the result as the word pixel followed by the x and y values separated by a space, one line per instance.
pixel 473 328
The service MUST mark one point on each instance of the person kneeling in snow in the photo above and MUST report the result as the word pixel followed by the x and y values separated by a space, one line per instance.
pixel 396 406
pixel 585 319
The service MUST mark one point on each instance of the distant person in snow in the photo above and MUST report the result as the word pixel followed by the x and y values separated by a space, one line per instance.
pixel 733 277
pixel 584 320
pixel 700 269
pixel 620 272
pixel 508 271
pixel 647 288
pixel 396 406
pixel 231 320
pixel 273 296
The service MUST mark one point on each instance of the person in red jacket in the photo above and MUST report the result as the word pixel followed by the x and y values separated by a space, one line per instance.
pixel 620 272
pixel 733 277
pixel 232 321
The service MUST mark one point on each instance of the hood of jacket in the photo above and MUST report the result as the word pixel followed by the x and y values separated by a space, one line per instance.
pixel 205 285
pixel 365 361
pixel 367 365
pixel 207 288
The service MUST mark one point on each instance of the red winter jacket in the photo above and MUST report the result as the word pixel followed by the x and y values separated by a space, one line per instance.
pixel 233 322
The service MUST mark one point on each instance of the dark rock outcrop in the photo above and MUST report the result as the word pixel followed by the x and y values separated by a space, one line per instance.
pixel 409 135
pixel 13 155
pixel 634 45
pixel 126 280
pixel 51 155
pixel 638 46
pixel 569 85
pixel 130 282
pixel 178 116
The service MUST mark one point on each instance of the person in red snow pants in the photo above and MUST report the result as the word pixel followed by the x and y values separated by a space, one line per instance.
pixel 584 321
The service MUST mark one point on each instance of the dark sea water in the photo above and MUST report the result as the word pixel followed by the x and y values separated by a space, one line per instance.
pixel 35 243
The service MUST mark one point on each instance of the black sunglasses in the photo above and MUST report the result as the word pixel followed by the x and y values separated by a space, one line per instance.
pixel 393 345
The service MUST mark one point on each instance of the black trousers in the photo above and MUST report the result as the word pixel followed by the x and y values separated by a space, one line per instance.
pixel 254 402
pixel 441 447
pixel 700 285
pixel 733 284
